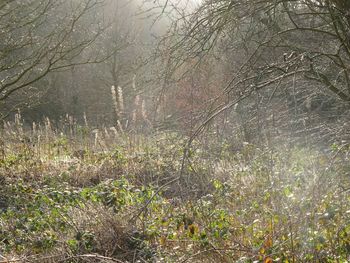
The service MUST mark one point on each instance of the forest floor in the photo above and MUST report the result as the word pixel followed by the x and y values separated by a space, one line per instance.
pixel 79 195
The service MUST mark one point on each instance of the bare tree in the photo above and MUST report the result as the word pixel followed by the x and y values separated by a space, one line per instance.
pixel 42 36
pixel 271 44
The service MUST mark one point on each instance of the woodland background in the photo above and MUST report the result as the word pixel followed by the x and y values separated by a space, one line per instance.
pixel 174 131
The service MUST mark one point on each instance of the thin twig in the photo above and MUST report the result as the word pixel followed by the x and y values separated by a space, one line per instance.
pixel 153 196
pixel 93 256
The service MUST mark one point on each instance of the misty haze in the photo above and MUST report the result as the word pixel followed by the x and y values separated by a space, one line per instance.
pixel 213 131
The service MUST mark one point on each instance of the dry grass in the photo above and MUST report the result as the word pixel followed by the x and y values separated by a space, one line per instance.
pixel 70 195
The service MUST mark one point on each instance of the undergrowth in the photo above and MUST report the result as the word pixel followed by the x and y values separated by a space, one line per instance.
pixel 73 194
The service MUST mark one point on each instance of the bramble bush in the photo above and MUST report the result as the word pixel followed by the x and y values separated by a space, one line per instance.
pixel 286 204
